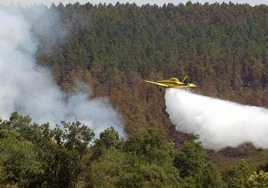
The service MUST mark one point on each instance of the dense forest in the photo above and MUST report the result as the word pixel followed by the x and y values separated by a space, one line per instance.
pixel 113 48
pixel 35 155
pixel 222 47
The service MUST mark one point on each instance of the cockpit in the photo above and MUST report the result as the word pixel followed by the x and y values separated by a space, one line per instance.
pixel 172 79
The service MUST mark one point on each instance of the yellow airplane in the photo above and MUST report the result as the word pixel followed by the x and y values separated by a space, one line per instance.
pixel 173 83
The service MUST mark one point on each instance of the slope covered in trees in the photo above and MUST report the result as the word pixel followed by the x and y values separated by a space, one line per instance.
pixel 222 47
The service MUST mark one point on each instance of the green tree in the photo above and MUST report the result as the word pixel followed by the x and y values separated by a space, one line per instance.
pixel 191 161
pixel 19 163
pixel 140 161
pixel 258 180
pixel 63 158
pixel 211 177
pixel 108 138
pixel 238 175
pixel 152 146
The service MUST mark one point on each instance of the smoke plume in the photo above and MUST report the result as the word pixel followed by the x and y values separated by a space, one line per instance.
pixel 30 90
pixel 218 123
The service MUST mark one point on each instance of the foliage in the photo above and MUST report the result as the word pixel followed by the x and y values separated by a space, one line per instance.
pixel 263 167
pixel 152 146
pixel 141 161
pixel 18 160
pixel 190 159
pixel 237 175
pixel 258 180
pixel 194 169
pixel 211 177
pixel 113 48
pixel 108 138
pixel 35 155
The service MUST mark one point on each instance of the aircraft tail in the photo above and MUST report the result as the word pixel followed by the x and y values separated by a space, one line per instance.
pixel 185 80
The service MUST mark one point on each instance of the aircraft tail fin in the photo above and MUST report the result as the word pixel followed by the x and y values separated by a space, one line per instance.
pixel 185 80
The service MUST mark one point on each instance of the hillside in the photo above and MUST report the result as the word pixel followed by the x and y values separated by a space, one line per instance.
pixel 112 49
pixel 222 47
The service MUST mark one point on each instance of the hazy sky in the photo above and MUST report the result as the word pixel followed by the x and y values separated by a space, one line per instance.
pixel 138 2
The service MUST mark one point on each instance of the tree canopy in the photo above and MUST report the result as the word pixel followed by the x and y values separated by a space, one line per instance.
pixel 112 48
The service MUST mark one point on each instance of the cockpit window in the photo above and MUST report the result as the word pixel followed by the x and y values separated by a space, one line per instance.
pixel 174 79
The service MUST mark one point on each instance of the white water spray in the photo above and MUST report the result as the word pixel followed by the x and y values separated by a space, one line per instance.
pixel 218 123
pixel 29 89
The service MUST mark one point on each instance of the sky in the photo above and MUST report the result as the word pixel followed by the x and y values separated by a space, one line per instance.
pixel 138 2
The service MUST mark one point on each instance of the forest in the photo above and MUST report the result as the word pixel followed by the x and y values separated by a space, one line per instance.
pixel 35 155
pixel 113 48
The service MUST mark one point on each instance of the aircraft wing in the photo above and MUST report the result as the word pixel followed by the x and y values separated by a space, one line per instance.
pixel 156 83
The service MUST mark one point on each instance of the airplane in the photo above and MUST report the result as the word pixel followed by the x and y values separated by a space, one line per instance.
pixel 173 83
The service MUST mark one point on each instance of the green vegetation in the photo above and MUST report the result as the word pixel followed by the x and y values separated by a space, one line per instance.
pixel 40 156
pixel 222 47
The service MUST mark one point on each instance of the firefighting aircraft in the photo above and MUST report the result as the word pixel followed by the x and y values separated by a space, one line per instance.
pixel 173 83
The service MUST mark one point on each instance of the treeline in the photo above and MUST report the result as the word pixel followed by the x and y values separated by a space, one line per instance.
pixel 226 41
pixel 68 155
pixel 222 47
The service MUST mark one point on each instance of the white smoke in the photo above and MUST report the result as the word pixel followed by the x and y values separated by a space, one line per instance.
pixel 218 123
pixel 29 89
